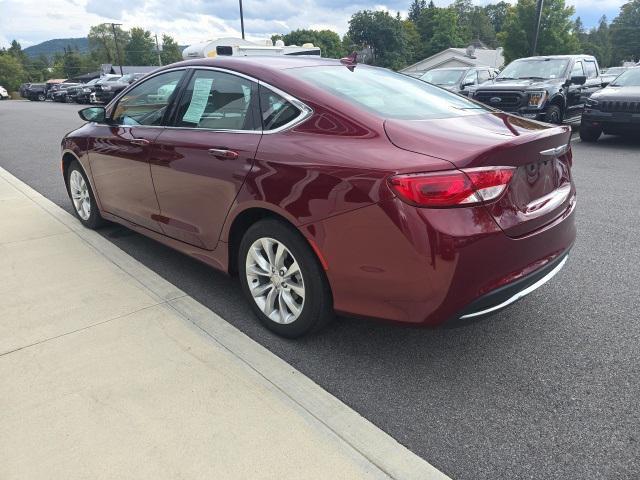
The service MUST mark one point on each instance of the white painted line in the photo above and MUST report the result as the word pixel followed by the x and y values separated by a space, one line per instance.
pixel 367 441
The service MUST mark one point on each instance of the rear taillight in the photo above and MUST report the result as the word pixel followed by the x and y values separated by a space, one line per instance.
pixel 452 188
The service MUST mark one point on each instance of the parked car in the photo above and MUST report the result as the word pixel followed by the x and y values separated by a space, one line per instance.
pixel 76 92
pixel 52 86
pixel 330 187
pixel 551 88
pixel 3 93
pixel 107 80
pixel 611 73
pixel 83 95
pixel 459 79
pixel 60 93
pixel 23 89
pixel 36 92
pixel 108 90
pixel 614 109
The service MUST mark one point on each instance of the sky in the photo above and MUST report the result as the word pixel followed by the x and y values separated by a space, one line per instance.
pixel 191 21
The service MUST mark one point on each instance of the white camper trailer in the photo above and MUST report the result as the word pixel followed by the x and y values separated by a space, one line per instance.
pixel 239 47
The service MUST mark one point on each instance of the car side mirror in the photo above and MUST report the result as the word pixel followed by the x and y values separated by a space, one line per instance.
pixel 578 80
pixel 93 114
pixel 467 84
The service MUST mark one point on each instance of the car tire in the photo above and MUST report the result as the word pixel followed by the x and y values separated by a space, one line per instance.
pixel 82 199
pixel 553 114
pixel 41 97
pixel 589 134
pixel 283 280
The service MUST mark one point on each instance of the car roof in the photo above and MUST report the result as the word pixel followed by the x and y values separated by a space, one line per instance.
pixel 544 57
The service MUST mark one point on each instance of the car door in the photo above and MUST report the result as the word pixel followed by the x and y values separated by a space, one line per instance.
pixel 200 162
pixel 593 83
pixel 119 150
pixel 574 92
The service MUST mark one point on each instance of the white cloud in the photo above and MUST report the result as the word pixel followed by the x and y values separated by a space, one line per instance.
pixel 190 21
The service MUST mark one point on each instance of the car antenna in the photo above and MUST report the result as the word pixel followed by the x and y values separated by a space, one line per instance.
pixel 350 61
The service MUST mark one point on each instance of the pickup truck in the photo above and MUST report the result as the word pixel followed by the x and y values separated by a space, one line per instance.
pixel 550 88
pixel 108 90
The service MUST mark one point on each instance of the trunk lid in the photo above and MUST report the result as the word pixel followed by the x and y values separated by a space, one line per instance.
pixel 541 189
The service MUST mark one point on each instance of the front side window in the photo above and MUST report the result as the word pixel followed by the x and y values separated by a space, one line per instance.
pixel 483 76
pixel 388 94
pixel 590 68
pixel 216 100
pixel 470 78
pixel 147 103
pixel 577 71
pixel 275 110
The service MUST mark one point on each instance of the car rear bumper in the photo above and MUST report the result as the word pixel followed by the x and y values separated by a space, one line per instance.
pixel 506 295
pixel 428 266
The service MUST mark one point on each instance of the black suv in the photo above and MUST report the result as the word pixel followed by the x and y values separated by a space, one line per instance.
pixel 36 92
pixel 614 109
pixel 551 88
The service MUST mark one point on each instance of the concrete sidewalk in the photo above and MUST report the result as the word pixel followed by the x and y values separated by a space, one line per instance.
pixel 109 371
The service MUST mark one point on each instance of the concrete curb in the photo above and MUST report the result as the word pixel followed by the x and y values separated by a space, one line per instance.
pixel 367 440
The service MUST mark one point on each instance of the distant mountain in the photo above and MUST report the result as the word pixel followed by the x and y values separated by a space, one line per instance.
pixel 57 45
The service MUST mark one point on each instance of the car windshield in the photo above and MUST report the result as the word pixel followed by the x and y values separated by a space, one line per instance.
pixel 543 68
pixel 386 93
pixel 92 82
pixel 630 78
pixel 615 70
pixel 443 77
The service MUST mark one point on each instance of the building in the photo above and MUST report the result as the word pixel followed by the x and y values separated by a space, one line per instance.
pixel 231 46
pixel 458 57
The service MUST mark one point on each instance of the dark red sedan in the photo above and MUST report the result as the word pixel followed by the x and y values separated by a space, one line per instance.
pixel 330 187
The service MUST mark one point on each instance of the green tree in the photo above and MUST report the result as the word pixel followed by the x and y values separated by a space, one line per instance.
pixel 556 35
pixel 497 13
pixel 71 63
pixel 446 32
pixel 12 73
pixel 412 36
pixel 103 45
pixel 625 33
pixel 171 52
pixel 383 34
pixel 416 8
pixel 599 43
pixel 140 50
pixel 328 41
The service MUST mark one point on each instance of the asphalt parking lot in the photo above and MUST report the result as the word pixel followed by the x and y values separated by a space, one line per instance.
pixel 547 389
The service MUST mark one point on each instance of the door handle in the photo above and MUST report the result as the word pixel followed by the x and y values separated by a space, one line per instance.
pixel 223 153
pixel 140 142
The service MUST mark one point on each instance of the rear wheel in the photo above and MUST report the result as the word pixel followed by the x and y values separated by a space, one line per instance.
pixel 283 280
pixel 82 198
pixel 553 114
pixel 589 134
pixel 41 97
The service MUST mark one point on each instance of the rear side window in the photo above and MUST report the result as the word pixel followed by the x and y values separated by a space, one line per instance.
pixel 216 100
pixel 276 111
pixel 147 103
pixel 590 68
pixel 386 93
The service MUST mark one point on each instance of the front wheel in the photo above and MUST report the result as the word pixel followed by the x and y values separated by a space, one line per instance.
pixel 553 114
pixel 283 280
pixel 41 97
pixel 82 198
pixel 589 134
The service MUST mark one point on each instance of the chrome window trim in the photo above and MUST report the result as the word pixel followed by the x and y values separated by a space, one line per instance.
pixel 305 110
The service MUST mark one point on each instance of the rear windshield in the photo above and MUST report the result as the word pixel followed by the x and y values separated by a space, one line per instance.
pixel 388 94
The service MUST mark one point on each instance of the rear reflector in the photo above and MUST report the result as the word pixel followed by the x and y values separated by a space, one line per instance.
pixel 452 188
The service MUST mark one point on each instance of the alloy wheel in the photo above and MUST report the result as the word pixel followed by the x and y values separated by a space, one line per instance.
pixel 275 280
pixel 80 195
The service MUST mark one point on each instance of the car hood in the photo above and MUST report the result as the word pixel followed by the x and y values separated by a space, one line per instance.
pixel 624 94
pixel 524 84
pixel 467 141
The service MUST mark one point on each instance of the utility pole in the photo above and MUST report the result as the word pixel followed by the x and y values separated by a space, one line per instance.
pixel 241 20
pixel 534 47
pixel 115 39
pixel 158 51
